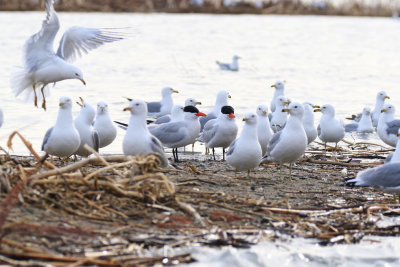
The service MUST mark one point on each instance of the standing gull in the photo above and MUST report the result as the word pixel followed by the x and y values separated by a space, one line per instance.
pixel 62 139
pixel 138 140
pixel 395 156
pixel 387 126
pixel 364 125
pixel 279 91
pixel 222 100
pixel 376 112
pixel 264 131
pixel 42 66
pixel 279 116
pixel 234 66
pixel 104 125
pixel 245 152
pixel 288 145
pixel 220 132
pixel 329 129
pixel 84 125
pixel 308 121
pixel 385 177
pixel 179 133
pixel 163 107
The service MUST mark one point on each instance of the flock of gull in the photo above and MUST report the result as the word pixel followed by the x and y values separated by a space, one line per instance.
pixel 280 135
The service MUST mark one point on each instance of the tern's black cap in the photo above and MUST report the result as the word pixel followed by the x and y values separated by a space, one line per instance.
pixel 227 110
pixel 191 109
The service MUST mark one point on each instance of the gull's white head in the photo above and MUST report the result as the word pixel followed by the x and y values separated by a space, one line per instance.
pixel 295 109
pixel 192 102
pixel 74 72
pixel 235 57
pixel 381 96
pixel 262 110
pixel 168 91
pixel 65 102
pixel 137 107
pixel 176 111
pixel 281 101
pixel 366 111
pixel 388 109
pixel 326 109
pixel 222 97
pixel 250 118
pixel 87 110
pixel 279 85
pixel 102 107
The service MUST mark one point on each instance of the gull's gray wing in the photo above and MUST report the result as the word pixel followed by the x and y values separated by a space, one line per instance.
pixel 319 130
pixel 163 119
pixel 46 138
pixel 209 130
pixel 153 107
pixel 157 147
pixel 273 142
pixel 393 127
pixel 80 40
pixel 231 148
pixel 351 127
pixel 387 175
pixel 169 133
pixel 223 66
pixel 389 158
pixel 40 45
pixel 96 140
pixel 204 120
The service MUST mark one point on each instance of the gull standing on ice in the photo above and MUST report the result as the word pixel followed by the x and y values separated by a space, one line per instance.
pixel 220 132
pixel 364 125
pixel 84 125
pixel 395 156
pixel 42 66
pixel 376 112
pixel 385 177
pixel 245 152
pixel 222 100
pixel 330 129
pixel 138 140
pixel 279 116
pixel 308 121
pixel 234 66
pixel 279 91
pixel 264 131
pixel 388 126
pixel 163 107
pixel 179 133
pixel 288 145
pixel 104 125
pixel 62 140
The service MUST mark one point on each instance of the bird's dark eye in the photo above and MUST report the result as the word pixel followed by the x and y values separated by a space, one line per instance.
pixel 76 74
pixel 137 104
pixel 295 106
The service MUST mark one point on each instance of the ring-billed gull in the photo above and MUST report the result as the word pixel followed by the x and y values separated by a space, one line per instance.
pixel 387 126
pixel 279 116
pixel 395 156
pixel 104 125
pixel 179 133
pixel 62 139
pixel 42 66
pixel 163 107
pixel 385 177
pixel 192 102
pixel 138 140
pixel 376 112
pixel 84 124
pixel 330 129
pixel 288 145
pixel 308 121
pixel 234 66
pixel 245 152
pixel 264 131
pixel 221 100
pixel 364 125
pixel 220 132
pixel 279 90
pixel 176 115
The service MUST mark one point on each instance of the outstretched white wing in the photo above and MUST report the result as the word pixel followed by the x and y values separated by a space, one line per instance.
pixel 78 40
pixel 40 45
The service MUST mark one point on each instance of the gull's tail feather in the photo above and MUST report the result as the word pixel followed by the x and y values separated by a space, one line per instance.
pixel 21 84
